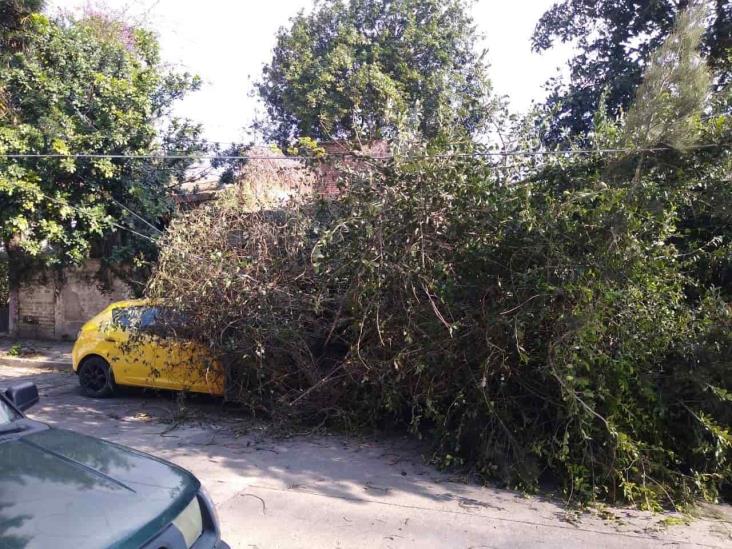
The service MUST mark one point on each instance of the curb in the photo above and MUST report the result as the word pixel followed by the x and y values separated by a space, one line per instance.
pixel 35 363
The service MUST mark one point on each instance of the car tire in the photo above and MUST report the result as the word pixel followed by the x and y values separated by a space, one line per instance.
pixel 96 378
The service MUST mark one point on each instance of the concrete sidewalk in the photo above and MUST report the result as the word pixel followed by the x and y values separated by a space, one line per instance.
pixel 333 491
pixel 39 353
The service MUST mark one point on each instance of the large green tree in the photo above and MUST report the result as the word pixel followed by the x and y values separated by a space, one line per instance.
pixel 352 69
pixel 91 86
pixel 615 40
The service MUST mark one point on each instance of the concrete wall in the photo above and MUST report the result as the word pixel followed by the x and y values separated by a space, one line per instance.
pixel 47 309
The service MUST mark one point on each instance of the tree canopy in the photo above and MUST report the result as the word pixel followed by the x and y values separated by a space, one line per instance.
pixel 352 69
pixel 615 41
pixel 92 86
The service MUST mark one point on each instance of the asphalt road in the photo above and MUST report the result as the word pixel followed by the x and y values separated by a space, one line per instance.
pixel 289 491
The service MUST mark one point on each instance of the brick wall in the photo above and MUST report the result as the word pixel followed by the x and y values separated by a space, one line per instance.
pixel 47 309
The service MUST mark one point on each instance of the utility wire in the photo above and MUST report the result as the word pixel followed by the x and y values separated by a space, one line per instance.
pixel 475 154
pixel 144 236
pixel 138 216
pixel 344 154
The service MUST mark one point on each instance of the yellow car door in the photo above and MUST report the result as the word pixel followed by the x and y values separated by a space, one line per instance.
pixel 186 366
pixel 132 351
pixel 183 365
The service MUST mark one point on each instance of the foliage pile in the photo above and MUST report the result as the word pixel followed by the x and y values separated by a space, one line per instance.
pixel 528 330
pixel 573 326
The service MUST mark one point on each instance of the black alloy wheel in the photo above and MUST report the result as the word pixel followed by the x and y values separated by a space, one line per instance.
pixel 96 378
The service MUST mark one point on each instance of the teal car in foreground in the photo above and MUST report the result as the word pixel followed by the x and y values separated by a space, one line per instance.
pixel 62 489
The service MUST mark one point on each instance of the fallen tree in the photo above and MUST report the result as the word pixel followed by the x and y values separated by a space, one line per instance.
pixel 560 327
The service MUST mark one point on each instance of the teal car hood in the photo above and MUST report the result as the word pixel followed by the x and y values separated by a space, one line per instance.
pixel 62 489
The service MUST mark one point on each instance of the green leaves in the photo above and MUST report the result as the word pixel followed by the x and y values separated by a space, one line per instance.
pixel 352 70
pixel 669 102
pixel 614 42
pixel 88 86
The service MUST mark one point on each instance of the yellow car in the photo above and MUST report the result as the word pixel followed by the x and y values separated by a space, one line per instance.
pixel 136 343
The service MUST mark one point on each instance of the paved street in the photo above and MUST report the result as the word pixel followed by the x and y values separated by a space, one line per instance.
pixel 275 491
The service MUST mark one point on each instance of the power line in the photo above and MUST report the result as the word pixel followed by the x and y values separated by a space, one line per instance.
pixel 138 216
pixel 144 236
pixel 342 154
pixel 474 154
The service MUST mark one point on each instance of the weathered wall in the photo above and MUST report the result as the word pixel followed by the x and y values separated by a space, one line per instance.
pixel 35 310
pixel 47 309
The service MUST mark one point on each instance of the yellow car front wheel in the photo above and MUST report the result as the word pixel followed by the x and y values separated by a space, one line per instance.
pixel 96 377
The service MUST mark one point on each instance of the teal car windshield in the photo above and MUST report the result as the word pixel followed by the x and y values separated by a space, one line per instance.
pixel 7 414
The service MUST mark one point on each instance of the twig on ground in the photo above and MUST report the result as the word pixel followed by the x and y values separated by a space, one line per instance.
pixel 264 505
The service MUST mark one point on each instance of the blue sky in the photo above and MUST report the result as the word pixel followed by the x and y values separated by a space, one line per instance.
pixel 226 42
